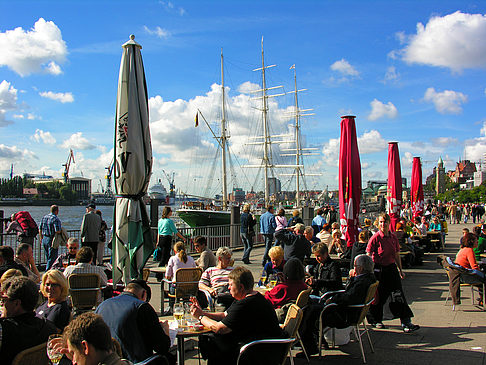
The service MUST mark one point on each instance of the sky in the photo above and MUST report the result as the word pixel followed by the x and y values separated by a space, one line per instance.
pixel 410 71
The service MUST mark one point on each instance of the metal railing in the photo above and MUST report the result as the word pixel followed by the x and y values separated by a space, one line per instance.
pixel 217 236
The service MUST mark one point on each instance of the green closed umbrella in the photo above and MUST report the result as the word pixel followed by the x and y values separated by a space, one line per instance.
pixel 132 240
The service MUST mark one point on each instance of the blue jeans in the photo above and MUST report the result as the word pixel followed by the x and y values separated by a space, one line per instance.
pixel 268 239
pixel 51 253
pixel 247 244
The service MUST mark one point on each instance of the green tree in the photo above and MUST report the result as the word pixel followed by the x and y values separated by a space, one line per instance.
pixel 67 193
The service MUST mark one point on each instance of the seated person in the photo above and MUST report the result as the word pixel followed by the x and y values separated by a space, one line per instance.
pixel 25 257
pixel 251 317
pixel 9 274
pixel 215 280
pixel 134 323
pixel 359 247
pixel 287 291
pixel 465 257
pixel 294 243
pixel 405 245
pixel 274 266
pixel 326 276
pixel 68 258
pixel 87 340
pixel 337 246
pixel 325 234
pixel 7 261
pixel 339 316
pixel 54 287
pixel 84 260
pixel 309 235
pixel 206 258
pixel 480 232
pixel 179 260
pixel 19 327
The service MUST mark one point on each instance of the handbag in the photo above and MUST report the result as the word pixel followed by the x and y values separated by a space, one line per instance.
pixel 60 239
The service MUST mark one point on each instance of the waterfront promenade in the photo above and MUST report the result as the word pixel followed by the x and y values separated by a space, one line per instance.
pixel 445 337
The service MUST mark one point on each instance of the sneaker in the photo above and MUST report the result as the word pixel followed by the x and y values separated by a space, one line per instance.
pixel 407 328
pixel 379 325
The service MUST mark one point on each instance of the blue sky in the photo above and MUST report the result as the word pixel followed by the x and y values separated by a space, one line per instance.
pixel 411 71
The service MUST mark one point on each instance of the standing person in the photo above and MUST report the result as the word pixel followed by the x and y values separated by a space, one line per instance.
pixel 166 228
pixel 247 232
pixel 332 215
pixel 25 227
pixel 384 249
pixel 267 228
pixel 90 228
pixel 50 225
pixel 318 221
pixel 206 258
pixel 294 242
pixel 280 219
pixel 102 239
pixel 295 219
pixel 452 210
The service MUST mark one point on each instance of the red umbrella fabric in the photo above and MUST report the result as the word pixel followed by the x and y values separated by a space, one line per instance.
pixel 417 193
pixel 349 180
pixel 394 188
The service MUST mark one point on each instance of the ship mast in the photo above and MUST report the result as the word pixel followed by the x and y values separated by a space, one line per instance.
pixel 266 138
pixel 223 137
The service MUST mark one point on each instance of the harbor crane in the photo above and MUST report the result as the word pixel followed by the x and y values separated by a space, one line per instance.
pixel 170 178
pixel 67 165
pixel 109 172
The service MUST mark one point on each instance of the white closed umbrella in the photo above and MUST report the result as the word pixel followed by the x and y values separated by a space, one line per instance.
pixel 132 240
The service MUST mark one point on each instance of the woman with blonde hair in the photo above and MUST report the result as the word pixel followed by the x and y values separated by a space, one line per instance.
pixel 54 287
pixel 8 274
pixel 180 260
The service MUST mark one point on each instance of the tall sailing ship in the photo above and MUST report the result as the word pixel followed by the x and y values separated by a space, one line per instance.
pixel 199 214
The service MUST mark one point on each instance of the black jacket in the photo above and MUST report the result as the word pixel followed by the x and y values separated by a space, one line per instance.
pixel 294 245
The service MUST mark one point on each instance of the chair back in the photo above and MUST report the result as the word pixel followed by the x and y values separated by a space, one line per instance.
pixel 303 298
pixel 370 297
pixel 32 355
pixel 84 290
pixel 292 320
pixel 187 282
pixel 265 352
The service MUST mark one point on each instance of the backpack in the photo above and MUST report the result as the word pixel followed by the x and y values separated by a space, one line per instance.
pixel 27 223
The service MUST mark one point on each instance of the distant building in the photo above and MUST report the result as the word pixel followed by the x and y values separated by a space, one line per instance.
pixel 274 185
pixel 238 195
pixel 464 171
pixel 30 192
pixel 440 177
pixel 81 186
pixel 479 177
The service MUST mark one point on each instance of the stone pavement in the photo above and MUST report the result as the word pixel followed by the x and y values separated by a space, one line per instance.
pixel 445 336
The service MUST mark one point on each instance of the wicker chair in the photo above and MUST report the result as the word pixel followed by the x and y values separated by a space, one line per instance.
pixel 84 290
pixel 32 355
pixel 186 283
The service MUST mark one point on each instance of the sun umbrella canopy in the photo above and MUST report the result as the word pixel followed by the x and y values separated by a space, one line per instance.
pixel 394 188
pixel 132 240
pixel 349 180
pixel 417 193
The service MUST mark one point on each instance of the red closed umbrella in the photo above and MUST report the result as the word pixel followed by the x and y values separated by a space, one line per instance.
pixel 417 193
pixel 349 180
pixel 394 188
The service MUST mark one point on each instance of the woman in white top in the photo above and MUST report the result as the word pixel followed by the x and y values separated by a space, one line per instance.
pixel 180 260
pixel 281 220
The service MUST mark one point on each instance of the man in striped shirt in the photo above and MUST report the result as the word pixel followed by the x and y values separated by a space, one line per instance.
pixel 50 225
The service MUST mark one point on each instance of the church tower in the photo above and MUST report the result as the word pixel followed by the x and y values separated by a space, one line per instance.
pixel 440 177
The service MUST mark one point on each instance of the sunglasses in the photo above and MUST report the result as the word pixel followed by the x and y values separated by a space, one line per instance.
pixel 52 285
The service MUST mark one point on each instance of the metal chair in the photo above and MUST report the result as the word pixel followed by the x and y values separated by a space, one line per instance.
pixel 85 292
pixel 280 356
pixel 186 283
pixel 370 297
pixel 32 355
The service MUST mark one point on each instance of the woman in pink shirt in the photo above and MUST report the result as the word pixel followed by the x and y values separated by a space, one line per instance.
pixel 384 249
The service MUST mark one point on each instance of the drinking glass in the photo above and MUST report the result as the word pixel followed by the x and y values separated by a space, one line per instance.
pixel 65 263
pixel 273 280
pixel 54 355
pixel 179 313
pixel 263 279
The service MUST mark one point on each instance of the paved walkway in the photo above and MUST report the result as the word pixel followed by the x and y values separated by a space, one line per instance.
pixel 445 336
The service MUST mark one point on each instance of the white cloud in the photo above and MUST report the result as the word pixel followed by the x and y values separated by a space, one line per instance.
pixel 330 152
pixel 41 136
pixel 447 101
pixel 15 155
pixel 407 159
pixel 344 68
pixel 391 75
pixel 380 110
pixel 444 141
pixel 170 7
pixel 371 141
pixel 455 41
pixel 61 97
pixel 474 149
pixel 247 87
pixel 38 49
pixel 8 101
pixel 78 142
pixel 157 31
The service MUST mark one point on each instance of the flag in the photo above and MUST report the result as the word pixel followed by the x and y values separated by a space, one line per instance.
pixel 197 118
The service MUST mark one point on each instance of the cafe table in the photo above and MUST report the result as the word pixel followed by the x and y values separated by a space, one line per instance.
pixel 180 334
pixel 160 270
